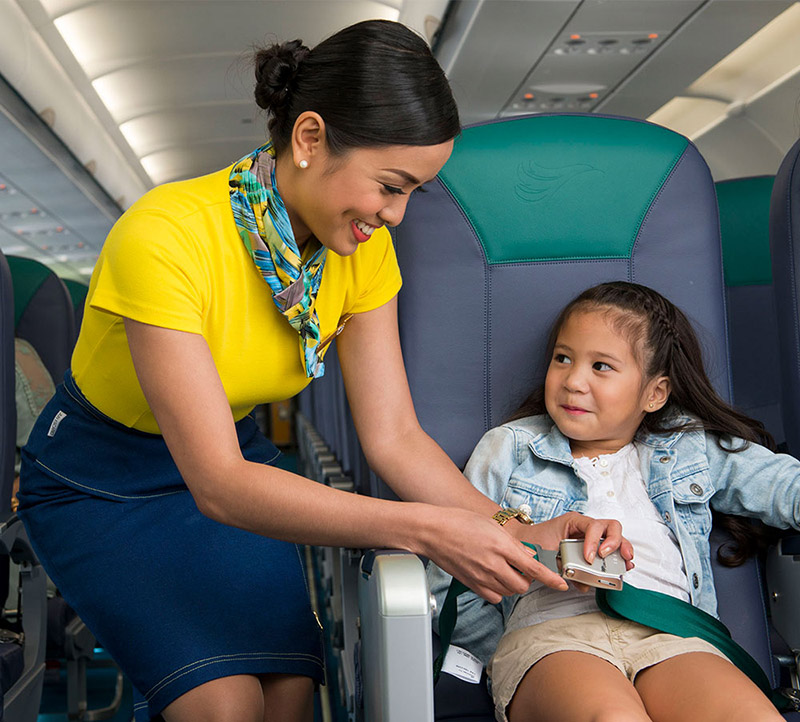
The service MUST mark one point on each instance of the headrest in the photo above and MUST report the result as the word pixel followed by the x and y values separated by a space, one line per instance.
pixel 540 188
pixel 744 229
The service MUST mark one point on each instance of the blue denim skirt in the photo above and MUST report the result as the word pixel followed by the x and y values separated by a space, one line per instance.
pixel 176 598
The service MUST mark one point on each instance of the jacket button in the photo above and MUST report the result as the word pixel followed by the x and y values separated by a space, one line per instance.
pixel 696 489
pixel 695 580
pixel 664 460
pixel 667 517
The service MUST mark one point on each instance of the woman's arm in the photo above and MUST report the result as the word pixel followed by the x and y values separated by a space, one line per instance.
pixel 396 447
pixel 181 384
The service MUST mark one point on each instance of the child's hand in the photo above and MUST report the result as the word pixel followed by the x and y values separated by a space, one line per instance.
pixel 572 525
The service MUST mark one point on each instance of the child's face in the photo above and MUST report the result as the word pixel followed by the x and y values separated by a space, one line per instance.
pixel 594 389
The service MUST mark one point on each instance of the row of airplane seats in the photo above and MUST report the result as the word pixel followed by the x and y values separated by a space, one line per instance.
pixel 528 212
pixel 47 312
pixel 22 651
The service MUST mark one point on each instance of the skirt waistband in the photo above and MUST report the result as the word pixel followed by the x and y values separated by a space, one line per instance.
pixel 77 445
pixel 72 389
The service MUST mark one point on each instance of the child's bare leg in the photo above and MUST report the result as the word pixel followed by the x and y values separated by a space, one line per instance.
pixel 569 686
pixel 702 686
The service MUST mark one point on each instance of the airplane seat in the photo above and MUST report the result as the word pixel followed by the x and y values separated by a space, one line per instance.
pixel 752 324
pixel 23 629
pixel 77 291
pixel 43 313
pixel 784 223
pixel 328 452
pixel 45 317
pixel 528 212
pixel 783 561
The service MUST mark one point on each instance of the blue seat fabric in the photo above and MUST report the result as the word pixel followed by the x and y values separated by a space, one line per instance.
pixel 784 224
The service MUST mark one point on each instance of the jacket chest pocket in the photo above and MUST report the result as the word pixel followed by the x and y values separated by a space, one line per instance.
pixel 539 502
pixel 692 495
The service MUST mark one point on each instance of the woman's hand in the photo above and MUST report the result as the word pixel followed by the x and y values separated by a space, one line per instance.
pixel 572 525
pixel 477 551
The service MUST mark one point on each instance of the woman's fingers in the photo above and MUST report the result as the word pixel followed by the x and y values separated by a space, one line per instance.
pixel 491 562
pixel 482 555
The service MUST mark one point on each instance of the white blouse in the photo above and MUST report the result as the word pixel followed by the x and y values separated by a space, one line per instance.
pixel 615 490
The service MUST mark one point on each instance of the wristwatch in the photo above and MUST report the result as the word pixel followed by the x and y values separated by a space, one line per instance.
pixel 502 516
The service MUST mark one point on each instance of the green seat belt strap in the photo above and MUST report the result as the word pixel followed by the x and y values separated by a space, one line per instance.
pixel 449 613
pixel 650 609
pixel 674 616
pixel 447 623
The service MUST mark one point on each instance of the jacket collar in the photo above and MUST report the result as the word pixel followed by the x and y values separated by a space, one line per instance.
pixel 552 445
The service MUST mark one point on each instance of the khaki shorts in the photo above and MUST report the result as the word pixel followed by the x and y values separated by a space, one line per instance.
pixel 629 646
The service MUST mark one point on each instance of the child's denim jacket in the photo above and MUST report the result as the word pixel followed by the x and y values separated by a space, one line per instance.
pixel 528 462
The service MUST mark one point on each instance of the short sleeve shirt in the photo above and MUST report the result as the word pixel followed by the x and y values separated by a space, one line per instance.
pixel 175 260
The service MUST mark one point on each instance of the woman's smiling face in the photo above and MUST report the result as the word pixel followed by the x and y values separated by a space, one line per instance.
pixel 342 199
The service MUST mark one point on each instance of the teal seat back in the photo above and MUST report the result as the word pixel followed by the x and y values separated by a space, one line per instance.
pixel 752 317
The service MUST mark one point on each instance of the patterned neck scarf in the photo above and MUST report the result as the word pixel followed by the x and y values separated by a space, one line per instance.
pixel 264 227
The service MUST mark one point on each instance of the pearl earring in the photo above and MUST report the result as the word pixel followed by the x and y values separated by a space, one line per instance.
pixel 651 405
pixel 303 163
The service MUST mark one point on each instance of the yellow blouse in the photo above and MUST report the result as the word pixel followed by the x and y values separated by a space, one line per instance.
pixel 174 260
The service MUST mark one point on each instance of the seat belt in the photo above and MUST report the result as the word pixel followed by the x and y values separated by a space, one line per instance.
pixel 449 614
pixel 650 609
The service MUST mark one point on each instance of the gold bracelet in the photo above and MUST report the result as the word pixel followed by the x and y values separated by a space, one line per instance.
pixel 502 516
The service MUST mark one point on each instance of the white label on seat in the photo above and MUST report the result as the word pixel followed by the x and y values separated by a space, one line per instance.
pixel 462 664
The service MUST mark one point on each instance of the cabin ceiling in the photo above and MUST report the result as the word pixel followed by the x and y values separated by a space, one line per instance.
pixel 147 91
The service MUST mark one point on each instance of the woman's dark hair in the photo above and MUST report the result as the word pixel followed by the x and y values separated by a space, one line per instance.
pixel 375 83
pixel 665 344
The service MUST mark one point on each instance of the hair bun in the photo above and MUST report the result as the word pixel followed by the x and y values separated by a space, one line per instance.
pixel 276 67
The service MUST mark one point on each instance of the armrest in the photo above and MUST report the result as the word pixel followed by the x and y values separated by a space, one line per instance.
pixel 395 614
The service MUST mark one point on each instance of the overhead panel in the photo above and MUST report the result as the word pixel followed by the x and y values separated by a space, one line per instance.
pixel 603 43
pixel 488 47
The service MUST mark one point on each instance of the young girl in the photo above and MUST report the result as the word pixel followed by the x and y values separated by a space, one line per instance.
pixel 627 426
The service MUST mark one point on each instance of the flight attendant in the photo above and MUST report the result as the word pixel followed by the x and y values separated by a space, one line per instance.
pixel 147 490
